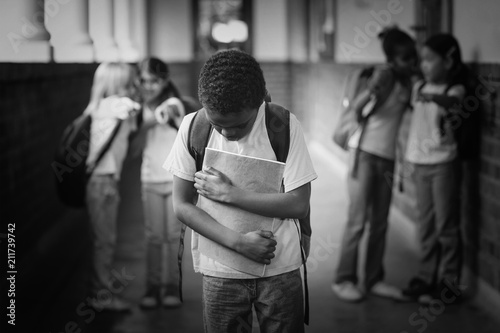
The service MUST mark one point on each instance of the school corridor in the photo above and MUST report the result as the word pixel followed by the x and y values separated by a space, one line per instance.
pixel 53 298
pixel 307 49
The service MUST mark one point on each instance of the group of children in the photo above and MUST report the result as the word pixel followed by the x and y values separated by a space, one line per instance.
pixel 144 108
pixel 232 91
pixel 434 95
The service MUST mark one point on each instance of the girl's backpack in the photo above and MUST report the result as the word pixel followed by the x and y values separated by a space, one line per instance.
pixel 70 160
pixel 349 118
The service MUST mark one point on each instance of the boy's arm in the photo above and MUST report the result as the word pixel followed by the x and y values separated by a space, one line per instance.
pixel 257 245
pixel 216 186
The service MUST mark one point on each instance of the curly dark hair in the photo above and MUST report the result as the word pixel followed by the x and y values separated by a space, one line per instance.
pixel 231 81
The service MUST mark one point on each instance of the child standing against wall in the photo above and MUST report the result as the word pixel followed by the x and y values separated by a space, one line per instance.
pixel 162 115
pixel 432 149
pixel 113 115
pixel 371 168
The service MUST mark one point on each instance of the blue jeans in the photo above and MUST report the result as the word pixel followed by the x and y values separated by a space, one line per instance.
pixel 438 221
pixel 102 199
pixel 163 231
pixel 278 302
pixel 370 194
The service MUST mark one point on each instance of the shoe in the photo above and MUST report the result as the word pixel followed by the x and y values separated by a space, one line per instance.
pixel 151 299
pixel 115 305
pixel 347 291
pixel 425 299
pixel 419 290
pixel 385 290
pixel 170 301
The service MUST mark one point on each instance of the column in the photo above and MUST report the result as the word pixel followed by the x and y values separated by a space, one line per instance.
pixel 23 25
pixel 139 26
pixel 68 22
pixel 126 49
pixel 102 30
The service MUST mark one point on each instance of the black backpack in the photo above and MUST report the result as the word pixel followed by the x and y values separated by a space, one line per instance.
pixel 70 160
pixel 277 121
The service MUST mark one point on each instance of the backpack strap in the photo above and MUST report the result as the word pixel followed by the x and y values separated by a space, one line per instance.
pixel 364 120
pixel 198 136
pixel 91 167
pixel 278 130
pixel 277 121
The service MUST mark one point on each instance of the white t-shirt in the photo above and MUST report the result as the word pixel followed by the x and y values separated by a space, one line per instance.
pixel 104 119
pixel 425 143
pixel 159 141
pixel 380 133
pixel 298 171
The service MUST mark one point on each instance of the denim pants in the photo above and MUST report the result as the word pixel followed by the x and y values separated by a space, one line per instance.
pixel 370 195
pixel 102 198
pixel 163 231
pixel 278 302
pixel 438 221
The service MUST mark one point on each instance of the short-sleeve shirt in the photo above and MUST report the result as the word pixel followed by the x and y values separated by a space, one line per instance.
pixel 426 144
pixel 159 141
pixel 299 171
pixel 104 119
pixel 379 137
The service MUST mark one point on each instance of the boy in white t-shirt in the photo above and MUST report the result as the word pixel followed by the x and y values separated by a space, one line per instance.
pixel 232 90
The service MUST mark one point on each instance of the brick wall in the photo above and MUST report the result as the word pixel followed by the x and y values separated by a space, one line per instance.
pixel 487 221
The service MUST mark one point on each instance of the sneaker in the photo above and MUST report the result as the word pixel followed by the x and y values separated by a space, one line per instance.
pixel 151 299
pixel 347 291
pixel 385 290
pixel 419 290
pixel 425 299
pixel 115 304
pixel 170 301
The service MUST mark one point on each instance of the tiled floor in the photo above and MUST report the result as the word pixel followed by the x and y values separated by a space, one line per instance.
pixel 63 309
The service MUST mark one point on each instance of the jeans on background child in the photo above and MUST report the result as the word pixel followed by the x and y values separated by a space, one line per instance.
pixel 162 234
pixel 370 197
pixel 103 197
pixel 438 223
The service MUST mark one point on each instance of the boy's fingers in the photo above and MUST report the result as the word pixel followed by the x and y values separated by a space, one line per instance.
pixel 266 233
pixel 212 171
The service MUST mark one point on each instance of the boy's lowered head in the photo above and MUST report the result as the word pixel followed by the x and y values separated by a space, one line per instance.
pixel 231 88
